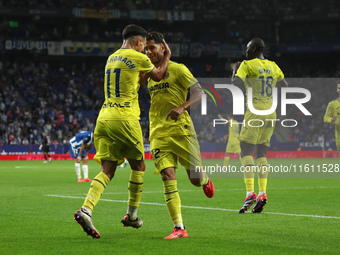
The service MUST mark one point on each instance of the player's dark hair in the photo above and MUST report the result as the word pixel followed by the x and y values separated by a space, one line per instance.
pixel 259 44
pixel 133 30
pixel 337 83
pixel 156 36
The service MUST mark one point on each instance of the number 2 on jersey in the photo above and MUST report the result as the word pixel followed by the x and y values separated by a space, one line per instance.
pixel 269 82
pixel 117 81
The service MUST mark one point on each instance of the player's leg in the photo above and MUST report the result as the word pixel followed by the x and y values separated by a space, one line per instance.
pixel 46 150
pixel 226 159
pixel 262 163
pixel 247 161
pixel 201 179
pixel 84 215
pixel 49 156
pixel 173 202
pixel 78 171
pixel 85 169
pixel 264 137
pixel 130 142
pixel 74 154
pixel 76 164
pixel 135 188
pixel 99 183
pixel 188 151
pixel 45 156
pixel 104 156
pixel 166 163
pixel 239 156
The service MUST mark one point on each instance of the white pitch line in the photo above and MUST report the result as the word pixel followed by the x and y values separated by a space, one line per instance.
pixel 199 190
pixel 206 208
pixel 35 166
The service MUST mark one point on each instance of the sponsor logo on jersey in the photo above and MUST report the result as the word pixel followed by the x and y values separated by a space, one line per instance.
pixel 118 105
pixel 163 85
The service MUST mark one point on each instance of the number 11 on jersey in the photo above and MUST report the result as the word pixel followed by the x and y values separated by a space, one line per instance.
pixel 116 71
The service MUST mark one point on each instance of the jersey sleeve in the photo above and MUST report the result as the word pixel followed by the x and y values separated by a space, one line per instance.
pixel 329 114
pixel 185 77
pixel 242 71
pixel 146 66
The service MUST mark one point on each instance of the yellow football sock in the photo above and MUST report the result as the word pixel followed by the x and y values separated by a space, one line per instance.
pixel 97 188
pixel 173 201
pixel 226 160
pixel 262 163
pixel 135 188
pixel 205 179
pixel 248 173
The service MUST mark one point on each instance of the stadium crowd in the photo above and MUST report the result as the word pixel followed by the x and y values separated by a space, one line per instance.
pixel 213 6
pixel 234 30
pixel 61 99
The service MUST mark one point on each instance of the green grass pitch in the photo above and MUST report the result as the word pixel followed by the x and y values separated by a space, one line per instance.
pixel 38 201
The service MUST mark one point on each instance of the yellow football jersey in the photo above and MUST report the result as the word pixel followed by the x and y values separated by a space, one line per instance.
pixel 167 94
pixel 234 130
pixel 261 75
pixel 121 84
pixel 333 108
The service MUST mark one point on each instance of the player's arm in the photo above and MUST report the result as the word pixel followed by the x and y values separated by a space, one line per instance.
pixel 89 147
pixel 143 77
pixel 195 99
pixel 220 116
pixel 235 79
pixel 330 117
pixel 82 148
pixel 157 74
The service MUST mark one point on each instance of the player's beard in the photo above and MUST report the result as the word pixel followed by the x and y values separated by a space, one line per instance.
pixel 157 58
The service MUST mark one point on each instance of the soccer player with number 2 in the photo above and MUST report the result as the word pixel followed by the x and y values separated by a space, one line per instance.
pixel 172 134
pixel 118 134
